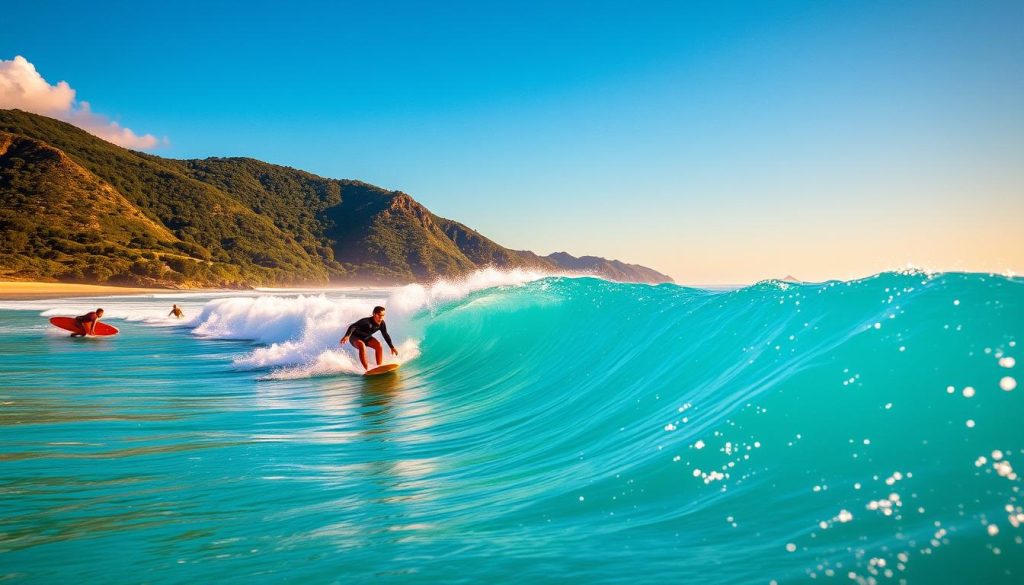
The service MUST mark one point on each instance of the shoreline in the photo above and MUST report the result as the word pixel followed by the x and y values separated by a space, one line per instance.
pixel 31 290
pixel 26 290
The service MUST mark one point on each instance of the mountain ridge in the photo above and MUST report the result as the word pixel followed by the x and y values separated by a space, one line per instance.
pixel 224 221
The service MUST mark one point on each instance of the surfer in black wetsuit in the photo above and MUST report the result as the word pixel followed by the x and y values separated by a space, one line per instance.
pixel 361 334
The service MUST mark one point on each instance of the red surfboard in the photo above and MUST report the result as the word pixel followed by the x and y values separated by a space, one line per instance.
pixel 69 324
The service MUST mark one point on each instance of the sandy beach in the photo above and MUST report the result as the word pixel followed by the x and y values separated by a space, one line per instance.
pixel 29 290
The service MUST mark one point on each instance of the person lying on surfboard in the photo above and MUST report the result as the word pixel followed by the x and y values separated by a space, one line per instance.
pixel 88 320
pixel 361 333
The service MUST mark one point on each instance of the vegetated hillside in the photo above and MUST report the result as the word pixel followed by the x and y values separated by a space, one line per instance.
pixel 77 208
pixel 58 217
pixel 229 244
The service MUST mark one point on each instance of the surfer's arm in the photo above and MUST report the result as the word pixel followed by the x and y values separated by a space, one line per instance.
pixel 387 338
pixel 348 333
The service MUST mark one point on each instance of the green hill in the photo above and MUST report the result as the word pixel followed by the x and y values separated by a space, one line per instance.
pixel 77 208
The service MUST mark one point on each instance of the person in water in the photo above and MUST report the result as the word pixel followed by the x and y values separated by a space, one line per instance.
pixel 177 312
pixel 361 334
pixel 88 321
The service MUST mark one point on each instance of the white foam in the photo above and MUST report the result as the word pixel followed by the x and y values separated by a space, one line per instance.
pixel 299 334
pixel 135 308
pixel 334 361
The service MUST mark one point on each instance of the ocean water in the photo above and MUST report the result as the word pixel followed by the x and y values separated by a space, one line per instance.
pixel 541 429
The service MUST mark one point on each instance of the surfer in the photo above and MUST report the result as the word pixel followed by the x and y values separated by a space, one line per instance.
pixel 176 311
pixel 88 320
pixel 361 333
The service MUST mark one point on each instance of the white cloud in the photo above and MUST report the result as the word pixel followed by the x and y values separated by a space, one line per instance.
pixel 22 87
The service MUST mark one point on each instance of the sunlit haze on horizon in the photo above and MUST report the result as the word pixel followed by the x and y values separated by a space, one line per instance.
pixel 717 142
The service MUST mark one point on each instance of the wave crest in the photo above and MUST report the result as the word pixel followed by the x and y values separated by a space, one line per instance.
pixel 299 335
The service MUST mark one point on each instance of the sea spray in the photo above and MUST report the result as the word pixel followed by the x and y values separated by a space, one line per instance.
pixel 299 334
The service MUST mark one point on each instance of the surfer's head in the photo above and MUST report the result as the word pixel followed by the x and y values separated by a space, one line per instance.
pixel 99 312
pixel 378 314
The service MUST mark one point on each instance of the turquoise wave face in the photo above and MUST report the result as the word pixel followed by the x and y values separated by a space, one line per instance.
pixel 776 432
pixel 561 430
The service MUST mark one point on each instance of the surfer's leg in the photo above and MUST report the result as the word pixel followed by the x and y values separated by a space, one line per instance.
pixel 377 349
pixel 362 352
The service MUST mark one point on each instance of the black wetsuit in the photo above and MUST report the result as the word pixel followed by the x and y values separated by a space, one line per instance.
pixel 90 317
pixel 364 329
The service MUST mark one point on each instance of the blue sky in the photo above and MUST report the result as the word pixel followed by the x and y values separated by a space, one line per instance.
pixel 715 141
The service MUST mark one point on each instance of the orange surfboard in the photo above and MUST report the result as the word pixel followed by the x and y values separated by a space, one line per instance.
pixel 381 369
pixel 69 324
